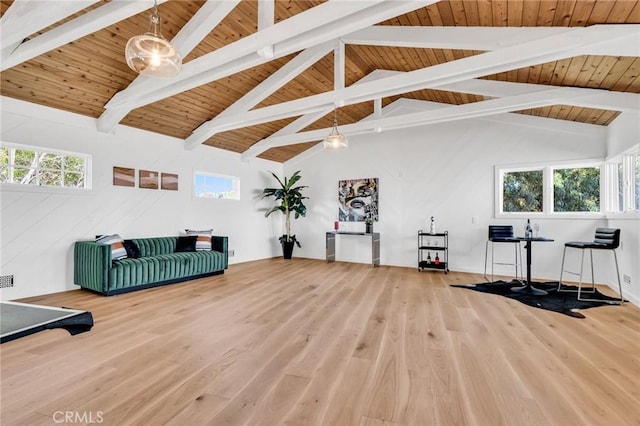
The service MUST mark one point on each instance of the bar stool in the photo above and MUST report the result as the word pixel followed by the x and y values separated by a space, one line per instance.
pixel 605 239
pixel 502 234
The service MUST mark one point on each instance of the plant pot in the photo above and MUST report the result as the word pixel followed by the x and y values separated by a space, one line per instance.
pixel 369 228
pixel 287 249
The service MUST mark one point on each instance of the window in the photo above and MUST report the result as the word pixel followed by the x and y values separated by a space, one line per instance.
pixel 635 178
pixel 624 172
pixel 522 191
pixel 548 189
pixel 620 187
pixel 34 166
pixel 576 189
pixel 209 185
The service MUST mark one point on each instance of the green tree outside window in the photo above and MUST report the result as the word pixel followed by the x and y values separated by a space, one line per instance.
pixel 576 190
pixel 522 191
pixel 41 168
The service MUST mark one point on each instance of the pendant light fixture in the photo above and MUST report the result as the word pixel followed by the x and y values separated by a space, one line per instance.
pixel 335 140
pixel 150 54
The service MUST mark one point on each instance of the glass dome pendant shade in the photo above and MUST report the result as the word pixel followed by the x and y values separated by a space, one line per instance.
pixel 150 54
pixel 335 140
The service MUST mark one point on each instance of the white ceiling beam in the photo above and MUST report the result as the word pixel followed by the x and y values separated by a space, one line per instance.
pixel 26 17
pixel 547 49
pixel 432 116
pixel 266 18
pixel 290 28
pixel 7 51
pixel 90 22
pixel 477 38
pixel 377 107
pixel 325 22
pixel 263 90
pixel 464 38
pixel 307 119
pixel 275 81
pixel 377 114
pixel 290 129
pixel 201 24
pixel 591 98
pixel 149 91
pixel 113 115
pixel 190 35
pixel 338 65
pixel 630 48
pixel 266 14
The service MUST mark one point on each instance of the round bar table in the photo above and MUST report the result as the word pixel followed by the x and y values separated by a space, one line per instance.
pixel 528 287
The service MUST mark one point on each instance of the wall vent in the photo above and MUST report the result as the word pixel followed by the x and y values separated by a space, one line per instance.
pixel 6 281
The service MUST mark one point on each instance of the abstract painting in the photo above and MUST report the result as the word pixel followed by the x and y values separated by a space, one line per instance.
pixel 148 179
pixel 358 200
pixel 123 176
pixel 169 181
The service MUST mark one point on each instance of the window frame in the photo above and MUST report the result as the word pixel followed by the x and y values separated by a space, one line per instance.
pixel 15 186
pixel 547 169
pixel 625 160
pixel 235 179
pixel 500 172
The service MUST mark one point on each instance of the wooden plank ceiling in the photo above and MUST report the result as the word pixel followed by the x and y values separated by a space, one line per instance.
pixel 84 74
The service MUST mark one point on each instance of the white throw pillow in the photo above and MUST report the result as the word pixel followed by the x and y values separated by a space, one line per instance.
pixel 117 245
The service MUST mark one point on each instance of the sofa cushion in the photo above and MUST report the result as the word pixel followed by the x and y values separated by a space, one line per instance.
pixel 156 245
pixel 203 242
pixel 165 267
pixel 117 245
pixel 186 244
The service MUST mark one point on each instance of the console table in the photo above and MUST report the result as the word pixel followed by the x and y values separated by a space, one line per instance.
pixel 375 245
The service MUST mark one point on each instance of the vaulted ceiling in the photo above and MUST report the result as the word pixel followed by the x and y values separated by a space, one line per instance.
pixel 262 77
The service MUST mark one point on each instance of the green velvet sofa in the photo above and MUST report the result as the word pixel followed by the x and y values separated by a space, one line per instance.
pixel 158 264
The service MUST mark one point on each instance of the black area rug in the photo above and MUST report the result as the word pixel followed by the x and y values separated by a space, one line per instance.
pixel 564 303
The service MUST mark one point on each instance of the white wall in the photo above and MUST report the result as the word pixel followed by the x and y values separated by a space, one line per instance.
pixel 624 134
pixel 628 256
pixel 444 170
pixel 40 226
pixel 447 171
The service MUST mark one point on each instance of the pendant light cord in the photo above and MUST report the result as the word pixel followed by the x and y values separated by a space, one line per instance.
pixel 154 21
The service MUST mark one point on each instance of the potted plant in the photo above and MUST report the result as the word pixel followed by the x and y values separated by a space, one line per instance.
pixel 289 198
pixel 368 225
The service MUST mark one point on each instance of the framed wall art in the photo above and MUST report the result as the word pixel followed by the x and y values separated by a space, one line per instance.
pixel 358 200
pixel 123 176
pixel 169 181
pixel 147 179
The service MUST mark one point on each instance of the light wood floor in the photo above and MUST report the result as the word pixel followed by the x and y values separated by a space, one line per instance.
pixel 304 342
